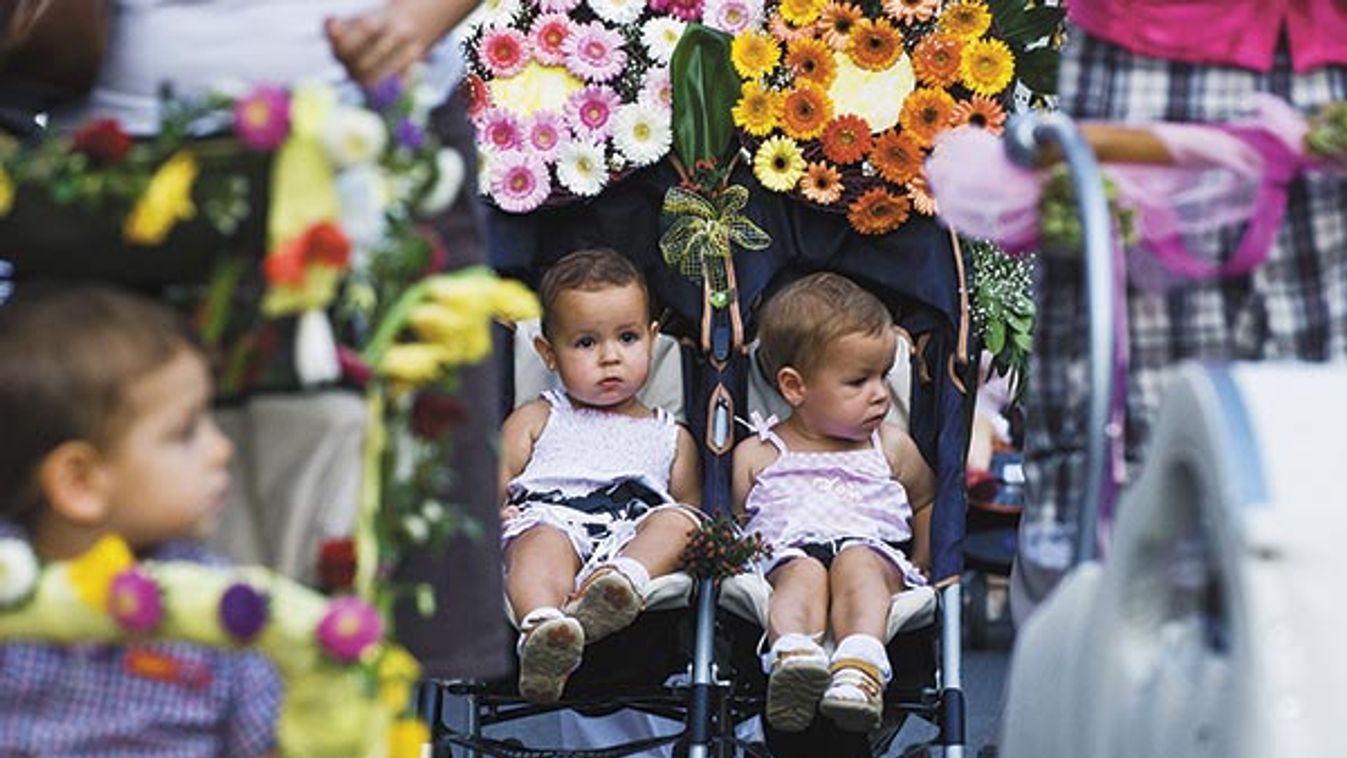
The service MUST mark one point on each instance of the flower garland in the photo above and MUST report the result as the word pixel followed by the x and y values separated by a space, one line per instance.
pixel 567 96
pixel 347 691
pixel 841 101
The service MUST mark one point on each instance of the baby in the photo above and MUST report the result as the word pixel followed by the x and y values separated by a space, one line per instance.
pixel 833 489
pixel 599 491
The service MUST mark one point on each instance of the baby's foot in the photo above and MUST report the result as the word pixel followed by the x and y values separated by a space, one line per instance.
pixel 548 653
pixel 607 602
pixel 794 687
pixel 855 698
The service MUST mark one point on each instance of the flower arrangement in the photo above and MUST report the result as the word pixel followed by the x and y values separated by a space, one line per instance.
pixel 1003 311
pixel 347 691
pixel 719 550
pixel 840 101
pixel 568 96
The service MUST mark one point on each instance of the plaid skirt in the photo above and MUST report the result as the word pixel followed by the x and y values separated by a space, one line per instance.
pixel 1294 306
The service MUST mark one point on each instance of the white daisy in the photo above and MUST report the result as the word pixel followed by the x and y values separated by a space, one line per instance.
pixel 18 571
pixel 660 36
pixel 642 132
pixel 494 13
pixel 581 168
pixel 618 11
pixel 354 136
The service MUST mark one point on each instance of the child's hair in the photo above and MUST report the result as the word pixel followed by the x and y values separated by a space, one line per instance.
pixel 587 270
pixel 67 357
pixel 796 324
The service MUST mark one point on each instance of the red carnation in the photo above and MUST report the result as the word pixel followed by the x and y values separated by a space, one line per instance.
pixel 327 244
pixel 336 564
pixel 103 140
pixel 435 414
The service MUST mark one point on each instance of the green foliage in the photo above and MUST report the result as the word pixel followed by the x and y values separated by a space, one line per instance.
pixel 1003 309
pixel 1059 215
pixel 705 88
pixel 1033 30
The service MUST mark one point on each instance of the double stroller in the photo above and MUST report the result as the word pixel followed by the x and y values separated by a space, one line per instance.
pixel 691 655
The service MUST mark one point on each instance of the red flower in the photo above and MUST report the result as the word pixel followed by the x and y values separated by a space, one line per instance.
pixel 285 264
pixel 326 243
pixel 103 140
pixel 477 94
pixel 435 414
pixel 336 564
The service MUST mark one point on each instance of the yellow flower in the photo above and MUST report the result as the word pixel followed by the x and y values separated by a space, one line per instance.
pixel 166 201
pixel 513 301
pixel 987 66
pixel 801 12
pixel 398 671
pixel 965 20
pixel 536 88
pixel 91 574
pixel 413 364
pixel 6 192
pixel 754 54
pixel 434 322
pixel 407 737
pixel 779 164
pixel 465 294
pixel 758 110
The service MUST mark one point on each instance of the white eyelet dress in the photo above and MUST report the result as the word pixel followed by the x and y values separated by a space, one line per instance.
pixel 837 498
pixel 582 450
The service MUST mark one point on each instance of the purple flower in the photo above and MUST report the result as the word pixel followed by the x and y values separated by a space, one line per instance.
pixel 409 135
pixel 134 601
pixel 348 628
pixel 385 93
pixel 262 119
pixel 243 611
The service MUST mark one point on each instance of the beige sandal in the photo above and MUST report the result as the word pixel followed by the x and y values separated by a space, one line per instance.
pixel 794 687
pixel 607 602
pixel 548 653
pixel 855 698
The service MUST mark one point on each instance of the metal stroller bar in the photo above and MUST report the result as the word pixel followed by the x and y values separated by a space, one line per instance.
pixel 1026 138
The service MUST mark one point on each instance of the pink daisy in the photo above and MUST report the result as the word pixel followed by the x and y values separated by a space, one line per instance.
pixel 594 52
pixel 557 6
pixel 505 51
pixel 733 16
pixel 498 129
pixel 589 112
pixel 545 133
pixel 519 182
pixel 548 35
pixel 686 10
pixel 657 89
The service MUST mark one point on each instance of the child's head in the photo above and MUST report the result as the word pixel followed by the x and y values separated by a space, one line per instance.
pixel 596 327
pixel 828 345
pixel 105 400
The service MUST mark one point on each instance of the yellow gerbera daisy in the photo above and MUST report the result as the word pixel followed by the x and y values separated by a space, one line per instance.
pixel 779 164
pixel 987 66
pixel 801 12
pixel 758 110
pixel 754 54
pixel 965 20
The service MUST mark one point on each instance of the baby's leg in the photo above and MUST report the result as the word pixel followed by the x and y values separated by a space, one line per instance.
pixel 862 584
pixel 541 565
pixel 797 666
pixel 660 539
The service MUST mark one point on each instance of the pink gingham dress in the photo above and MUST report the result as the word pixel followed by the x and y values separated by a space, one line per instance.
pixel 841 498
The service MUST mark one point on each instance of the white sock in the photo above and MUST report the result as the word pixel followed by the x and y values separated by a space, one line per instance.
pixel 868 649
pixel 634 570
pixel 791 642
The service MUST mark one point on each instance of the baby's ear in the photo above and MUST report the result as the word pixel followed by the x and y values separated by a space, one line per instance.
pixel 790 384
pixel 74 483
pixel 545 352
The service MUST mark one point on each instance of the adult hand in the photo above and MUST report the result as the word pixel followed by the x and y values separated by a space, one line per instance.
pixel 387 40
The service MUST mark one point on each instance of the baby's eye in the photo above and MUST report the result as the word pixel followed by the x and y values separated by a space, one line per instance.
pixel 629 338
pixel 584 343
pixel 857 382
pixel 188 430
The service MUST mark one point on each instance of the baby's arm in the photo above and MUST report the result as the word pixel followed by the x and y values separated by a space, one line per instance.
pixel 685 478
pixel 750 457
pixel 911 471
pixel 517 436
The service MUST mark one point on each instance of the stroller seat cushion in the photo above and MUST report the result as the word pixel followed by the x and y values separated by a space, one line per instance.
pixel 663 593
pixel 746 596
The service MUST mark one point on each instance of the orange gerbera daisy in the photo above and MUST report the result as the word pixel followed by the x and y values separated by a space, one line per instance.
pixel 846 139
pixel 925 113
pixel 920 193
pixel 878 211
pixel 936 59
pixel 875 44
pixel 908 11
pixel 821 183
pixel 896 156
pixel 836 23
pixel 807 110
pixel 812 61
pixel 980 111
pixel 783 31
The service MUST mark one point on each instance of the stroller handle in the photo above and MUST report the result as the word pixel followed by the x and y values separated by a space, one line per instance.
pixel 1028 139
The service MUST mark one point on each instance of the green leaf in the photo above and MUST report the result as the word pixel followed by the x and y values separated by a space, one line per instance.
pixel 1006 12
pixel 1019 323
pixel 996 336
pixel 1023 340
pixel 1038 70
pixel 1033 25
pixel 705 88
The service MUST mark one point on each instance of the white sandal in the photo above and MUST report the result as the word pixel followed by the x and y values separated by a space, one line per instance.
pixel 794 687
pixel 855 698
pixel 549 651
pixel 607 602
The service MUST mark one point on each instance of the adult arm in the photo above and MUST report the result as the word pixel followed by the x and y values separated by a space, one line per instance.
pixel 58 43
pixel 385 41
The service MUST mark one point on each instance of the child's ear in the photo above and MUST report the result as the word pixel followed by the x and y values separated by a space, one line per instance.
pixel 790 384
pixel 654 329
pixel 73 483
pixel 545 352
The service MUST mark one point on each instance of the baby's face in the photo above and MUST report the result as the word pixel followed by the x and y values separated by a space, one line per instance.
pixel 167 473
pixel 847 396
pixel 601 344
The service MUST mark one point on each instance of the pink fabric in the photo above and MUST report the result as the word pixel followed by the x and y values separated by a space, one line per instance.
pixel 813 497
pixel 1223 32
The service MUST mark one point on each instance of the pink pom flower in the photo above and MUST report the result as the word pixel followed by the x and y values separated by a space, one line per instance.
pixel 519 182
pixel 657 89
pixel 557 6
pixel 262 119
pixel 594 52
pixel 505 51
pixel 687 10
pixel 348 628
pixel 548 37
pixel 498 129
pixel 134 601
pixel 733 16
pixel 545 133
pixel 589 112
